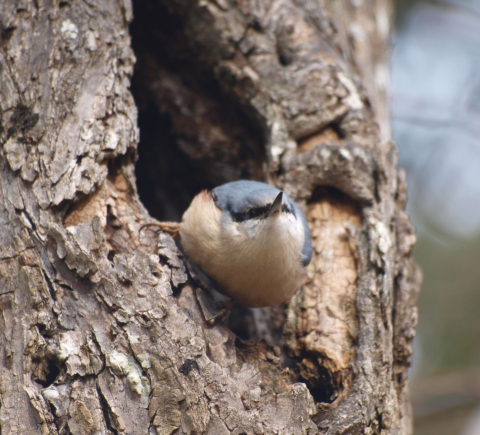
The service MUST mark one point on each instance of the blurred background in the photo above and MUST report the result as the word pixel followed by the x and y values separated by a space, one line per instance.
pixel 436 124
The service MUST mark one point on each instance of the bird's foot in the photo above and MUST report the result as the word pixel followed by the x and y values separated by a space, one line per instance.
pixel 172 228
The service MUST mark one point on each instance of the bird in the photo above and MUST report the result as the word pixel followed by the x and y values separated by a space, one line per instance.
pixel 250 239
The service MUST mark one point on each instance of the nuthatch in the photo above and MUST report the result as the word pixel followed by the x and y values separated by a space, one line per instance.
pixel 249 238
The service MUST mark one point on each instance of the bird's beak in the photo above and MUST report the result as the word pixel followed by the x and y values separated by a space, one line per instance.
pixel 276 206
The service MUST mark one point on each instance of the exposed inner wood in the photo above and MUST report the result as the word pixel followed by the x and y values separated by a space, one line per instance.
pixel 322 326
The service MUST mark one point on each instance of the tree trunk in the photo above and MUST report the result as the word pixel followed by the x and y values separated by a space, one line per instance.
pixel 105 329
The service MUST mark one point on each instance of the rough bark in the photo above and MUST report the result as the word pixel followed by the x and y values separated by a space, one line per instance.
pixel 104 329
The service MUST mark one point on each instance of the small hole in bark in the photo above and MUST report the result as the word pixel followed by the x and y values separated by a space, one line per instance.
pixel 111 255
pixel 188 366
pixel 42 329
pixel 6 34
pixel 49 374
pixel 285 58
pixel 176 290
pixel 322 384
pixel 62 4
pixel 285 50
pixel 335 126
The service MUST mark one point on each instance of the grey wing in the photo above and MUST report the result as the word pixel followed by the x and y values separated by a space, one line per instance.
pixel 306 254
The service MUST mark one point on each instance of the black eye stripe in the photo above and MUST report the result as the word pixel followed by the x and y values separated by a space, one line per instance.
pixel 239 217
pixel 256 212
pixel 250 214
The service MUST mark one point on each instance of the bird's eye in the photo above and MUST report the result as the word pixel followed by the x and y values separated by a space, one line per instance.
pixel 252 213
